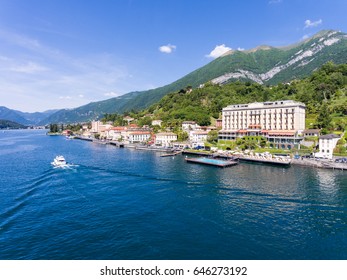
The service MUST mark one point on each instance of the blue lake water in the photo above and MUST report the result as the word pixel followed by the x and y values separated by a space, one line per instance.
pixel 129 204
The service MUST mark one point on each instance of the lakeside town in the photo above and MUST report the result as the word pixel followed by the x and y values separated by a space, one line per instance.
pixel 268 132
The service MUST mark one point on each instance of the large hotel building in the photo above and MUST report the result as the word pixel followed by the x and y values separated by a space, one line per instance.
pixel 280 122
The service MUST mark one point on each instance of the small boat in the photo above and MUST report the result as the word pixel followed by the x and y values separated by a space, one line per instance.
pixel 59 161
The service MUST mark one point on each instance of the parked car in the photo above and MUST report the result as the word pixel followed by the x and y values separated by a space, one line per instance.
pixel 198 148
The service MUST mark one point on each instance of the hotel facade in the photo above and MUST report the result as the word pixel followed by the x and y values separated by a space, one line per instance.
pixel 280 122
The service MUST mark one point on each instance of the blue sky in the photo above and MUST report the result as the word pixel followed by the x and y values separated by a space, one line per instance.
pixel 66 53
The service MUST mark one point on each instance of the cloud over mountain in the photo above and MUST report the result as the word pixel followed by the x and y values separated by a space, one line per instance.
pixel 218 51
pixel 309 23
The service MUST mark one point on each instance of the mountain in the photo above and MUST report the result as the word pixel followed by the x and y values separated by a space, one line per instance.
pixel 264 65
pixel 90 111
pixel 268 65
pixel 36 117
pixel 22 117
pixel 5 124
pixel 12 115
pixel 324 92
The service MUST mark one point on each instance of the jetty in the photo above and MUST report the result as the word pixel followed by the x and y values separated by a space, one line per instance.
pixel 212 161
pixel 117 144
pixel 319 163
pixel 83 138
pixel 150 148
pixel 274 161
pixel 171 154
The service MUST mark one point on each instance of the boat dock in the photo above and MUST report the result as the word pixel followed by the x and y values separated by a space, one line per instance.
pixel 283 162
pixel 171 154
pixel 83 138
pixel 212 161
pixel 117 144
pixel 149 148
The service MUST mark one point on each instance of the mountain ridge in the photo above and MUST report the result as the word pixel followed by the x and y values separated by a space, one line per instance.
pixel 293 55
pixel 24 118
pixel 6 124
pixel 263 64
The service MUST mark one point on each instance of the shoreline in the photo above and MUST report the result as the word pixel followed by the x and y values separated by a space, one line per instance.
pixel 324 164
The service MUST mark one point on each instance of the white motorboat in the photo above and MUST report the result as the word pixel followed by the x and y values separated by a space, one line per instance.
pixel 59 161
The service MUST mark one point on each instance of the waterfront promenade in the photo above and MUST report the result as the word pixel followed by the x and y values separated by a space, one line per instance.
pixel 320 163
pixel 309 162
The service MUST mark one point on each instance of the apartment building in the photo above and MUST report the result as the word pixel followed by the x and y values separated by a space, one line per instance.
pixel 327 144
pixel 165 138
pixel 139 136
pixel 280 122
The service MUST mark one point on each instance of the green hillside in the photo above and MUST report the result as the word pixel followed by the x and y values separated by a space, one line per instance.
pixel 264 65
pixel 324 92
pixel 6 124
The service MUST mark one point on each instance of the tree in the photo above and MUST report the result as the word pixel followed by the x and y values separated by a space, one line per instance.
pixel 182 136
pixel 212 136
pixel 145 121
pixel 324 117
pixel 262 142
pixel 53 128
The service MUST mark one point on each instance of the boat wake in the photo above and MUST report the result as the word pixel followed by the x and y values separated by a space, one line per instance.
pixel 66 166
pixel 60 162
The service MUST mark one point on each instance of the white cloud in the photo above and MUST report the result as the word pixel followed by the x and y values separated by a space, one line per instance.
pixel 240 49
pixel 306 36
pixel 111 94
pixel 167 48
pixel 20 40
pixel 218 51
pixel 309 23
pixel 32 74
pixel 4 58
pixel 65 97
pixel 275 1
pixel 28 68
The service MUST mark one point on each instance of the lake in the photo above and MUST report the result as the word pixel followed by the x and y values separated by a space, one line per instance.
pixel 119 203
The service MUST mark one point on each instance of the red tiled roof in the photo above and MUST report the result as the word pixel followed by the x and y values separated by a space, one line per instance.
pixel 120 128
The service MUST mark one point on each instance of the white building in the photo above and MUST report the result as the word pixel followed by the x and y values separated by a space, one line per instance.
pixel 99 127
pixel 165 138
pixel 280 122
pixel 116 133
pixel 198 136
pixel 311 132
pixel 157 122
pixel 128 119
pixel 139 136
pixel 275 115
pixel 327 144
pixel 189 125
